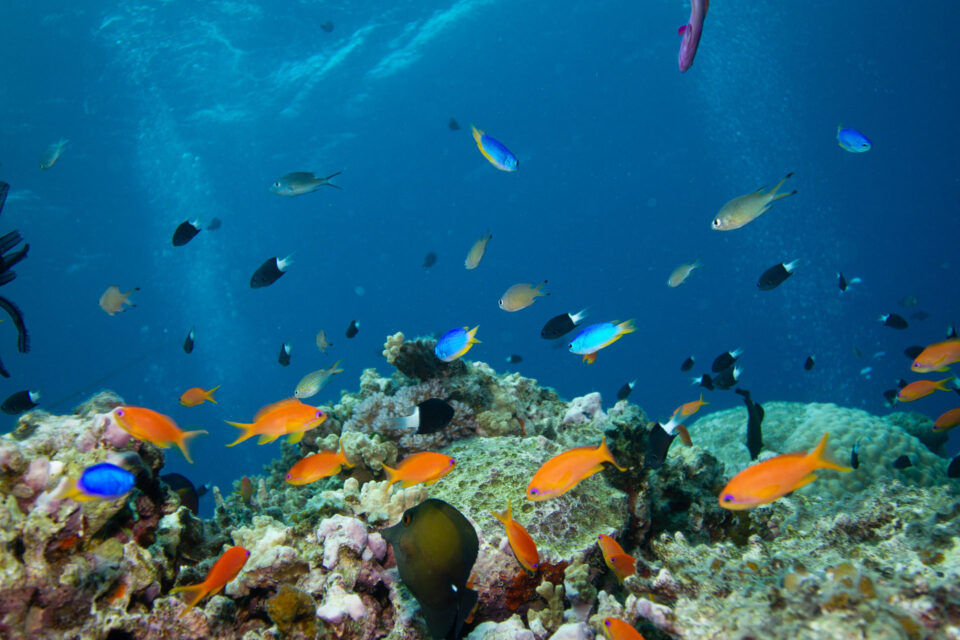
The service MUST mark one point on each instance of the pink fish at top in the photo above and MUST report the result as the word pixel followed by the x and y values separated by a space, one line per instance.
pixel 691 33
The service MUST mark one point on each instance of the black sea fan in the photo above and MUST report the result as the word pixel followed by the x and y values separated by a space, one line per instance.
pixel 8 259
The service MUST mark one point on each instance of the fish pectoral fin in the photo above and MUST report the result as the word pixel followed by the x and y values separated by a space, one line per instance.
pixel 767 491
pixel 805 481
pixel 296 437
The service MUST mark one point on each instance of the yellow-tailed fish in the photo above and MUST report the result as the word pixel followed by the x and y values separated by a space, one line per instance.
pixel 744 209
pixel 313 382
pixel 521 296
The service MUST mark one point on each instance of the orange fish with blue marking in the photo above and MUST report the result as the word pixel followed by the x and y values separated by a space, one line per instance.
pixel 948 420
pixel 195 395
pixel 318 466
pixel 286 417
pixel 922 388
pixel 524 548
pixel 564 471
pixel 687 409
pixel 617 629
pixel 426 467
pixel 225 569
pixel 937 357
pixel 772 479
pixel 161 430
pixel 619 561
pixel 495 152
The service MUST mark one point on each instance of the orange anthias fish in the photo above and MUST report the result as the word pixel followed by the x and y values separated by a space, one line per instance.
pixel 564 471
pixel 318 466
pixel 223 571
pixel 286 417
pixel 947 421
pixel 937 357
pixel 161 430
pixel 426 467
pixel 246 489
pixel 689 408
pixel 524 548
pixel 622 564
pixel 617 629
pixel 774 478
pixel 194 396
pixel 922 388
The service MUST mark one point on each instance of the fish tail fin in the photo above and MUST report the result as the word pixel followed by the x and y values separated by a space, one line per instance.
pixel 942 385
pixel 195 593
pixel 477 134
pixel 208 395
pixel 327 182
pixel 186 438
pixel 780 184
pixel 627 327
pixel 537 289
pixel 821 461
pixel 343 456
pixel 607 455
pixel 391 475
pixel 247 432
pixel 504 516
pixel 73 492
pixel 334 368
pixel 780 196
pixel 472 335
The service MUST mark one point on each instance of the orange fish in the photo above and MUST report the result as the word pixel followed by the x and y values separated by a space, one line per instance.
pixel 223 571
pixel 774 478
pixel 564 471
pixel 426 467
pixel 689 408
pixel 119 593
pixel 617 559
pixel 286 417
pixel 161 430
pixel 937 357
pixel 318 466
pixel 196 395
pixel 947 421
pixel 246 489
pixel 617 629
pixel 524 548
pixel 922 388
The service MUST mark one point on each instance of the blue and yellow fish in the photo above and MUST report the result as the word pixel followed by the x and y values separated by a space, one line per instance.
pixel 101 481
pixel 494 151
pixel 455 343
pixel 597 336
pixel 852 140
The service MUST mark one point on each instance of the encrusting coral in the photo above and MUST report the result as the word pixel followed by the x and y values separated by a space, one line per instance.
pixel 871 553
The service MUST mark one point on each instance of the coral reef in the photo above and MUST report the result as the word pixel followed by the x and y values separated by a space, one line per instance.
pixel 872 553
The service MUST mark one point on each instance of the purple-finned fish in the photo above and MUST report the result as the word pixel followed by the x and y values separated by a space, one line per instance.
pixel 691 33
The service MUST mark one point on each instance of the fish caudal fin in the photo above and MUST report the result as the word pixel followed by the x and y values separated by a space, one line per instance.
pixel 73 492
pixel 195 594
pixel 471 335
pixel 246 435
pixel 327 182
pixel 606 455
pixel 186 438
pixel 477 134
pixel 208 395
pixel 504 516
pixel 391 475
pixel 343 456
pixel 819 460
pixel 943 385
pixel 626 327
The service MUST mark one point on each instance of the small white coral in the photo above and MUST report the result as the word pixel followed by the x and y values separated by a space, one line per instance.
pixel 338 604
pixel 584 409
pixel 510 629
pixel 337 532
pixel 391 348
pixel 376 502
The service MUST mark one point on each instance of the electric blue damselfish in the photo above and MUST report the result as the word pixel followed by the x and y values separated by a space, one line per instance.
pixel 597 336
pixel 494 151
pixel 852 140
pixel 455 343
pixel 102 480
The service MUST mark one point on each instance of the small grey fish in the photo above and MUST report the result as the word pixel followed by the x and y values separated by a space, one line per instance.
pixel 311 384
pixel 322 342
pixel 301 182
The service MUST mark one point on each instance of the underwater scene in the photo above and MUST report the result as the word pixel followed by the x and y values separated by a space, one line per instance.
pixel 444 319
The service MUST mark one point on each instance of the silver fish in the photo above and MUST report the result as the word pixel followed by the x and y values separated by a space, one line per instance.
pixel 311 384
pixel 301 182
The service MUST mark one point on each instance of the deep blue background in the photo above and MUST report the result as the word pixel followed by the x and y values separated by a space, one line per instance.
pixel 178 110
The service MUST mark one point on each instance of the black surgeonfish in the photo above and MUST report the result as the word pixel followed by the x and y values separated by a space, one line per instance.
pixel 436 548
pixel 725 360
pixel 7 261
pixel 181 485
pixel 429 416
pixel 561 325
pixel 754 420
pixel 893 321
pixel 214 224
pixel 269 272
pixel 688 364
pixel 188 343
pixel 17 403
pixel 284 357
pixel 659 441
pixel 625 390
pixel 186 232
pixel 776 275
pixel 808 365
pixel 429 260
pixel 727 378
pixel 353 329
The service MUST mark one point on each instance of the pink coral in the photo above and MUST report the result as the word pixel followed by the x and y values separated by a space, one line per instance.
pixel 340 531
pixel 584 409
pixel 38 473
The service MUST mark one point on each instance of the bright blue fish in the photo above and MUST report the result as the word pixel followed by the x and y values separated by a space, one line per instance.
pixel 102 480
pixel 852 140
pixel 494 151
pixel 455 343
pixel 597 336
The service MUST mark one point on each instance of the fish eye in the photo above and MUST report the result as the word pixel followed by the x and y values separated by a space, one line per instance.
pixel 716 223
pixel 319 414
pixel 276 184
pixel 606 622
pixel 119 412
pixel 288 476
pixel 728 498
pixel 406 518
pixel 533 492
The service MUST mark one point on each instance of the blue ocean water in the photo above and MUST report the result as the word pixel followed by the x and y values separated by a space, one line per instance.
pixel 183 110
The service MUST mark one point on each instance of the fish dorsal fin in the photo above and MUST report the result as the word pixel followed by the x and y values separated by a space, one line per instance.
pixel 276 405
